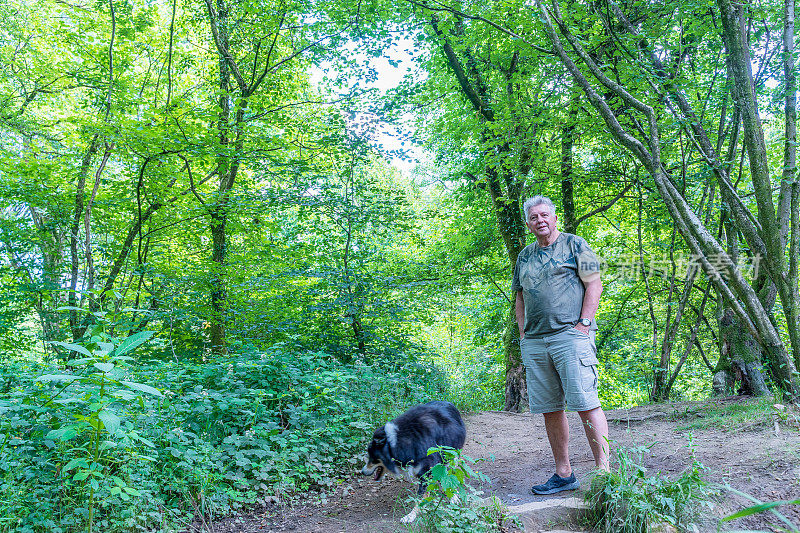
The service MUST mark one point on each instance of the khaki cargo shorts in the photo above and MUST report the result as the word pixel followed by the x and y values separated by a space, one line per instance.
pixel 561 368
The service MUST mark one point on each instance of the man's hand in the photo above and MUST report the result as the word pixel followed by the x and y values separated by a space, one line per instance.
pixel 583 329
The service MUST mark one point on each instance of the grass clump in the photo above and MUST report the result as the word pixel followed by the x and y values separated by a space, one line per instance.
pixel 628 500
pixel 725 415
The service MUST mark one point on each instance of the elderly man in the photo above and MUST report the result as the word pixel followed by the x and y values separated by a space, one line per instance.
pixel 559 278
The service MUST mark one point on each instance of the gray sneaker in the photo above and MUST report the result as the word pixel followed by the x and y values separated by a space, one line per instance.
pixel 556 484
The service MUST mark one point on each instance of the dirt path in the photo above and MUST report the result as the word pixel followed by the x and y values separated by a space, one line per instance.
pixel 751 457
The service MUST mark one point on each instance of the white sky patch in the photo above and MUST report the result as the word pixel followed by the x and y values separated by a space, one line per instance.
pixel 391 68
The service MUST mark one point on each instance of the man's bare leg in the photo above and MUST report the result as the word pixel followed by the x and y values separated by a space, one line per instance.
pixel 558 434
pixel 596 427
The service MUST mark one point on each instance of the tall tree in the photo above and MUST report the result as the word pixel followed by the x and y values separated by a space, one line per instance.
pixel 258 75
pixel 761 233
pixel 507 106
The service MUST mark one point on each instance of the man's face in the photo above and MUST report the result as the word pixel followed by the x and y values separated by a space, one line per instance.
pixel 541 221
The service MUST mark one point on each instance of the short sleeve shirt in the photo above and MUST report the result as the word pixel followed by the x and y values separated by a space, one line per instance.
pixel 551 281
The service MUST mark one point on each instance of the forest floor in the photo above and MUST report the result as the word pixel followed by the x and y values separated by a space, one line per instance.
pixel 739 441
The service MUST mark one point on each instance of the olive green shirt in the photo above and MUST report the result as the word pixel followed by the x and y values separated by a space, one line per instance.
pixel 551 281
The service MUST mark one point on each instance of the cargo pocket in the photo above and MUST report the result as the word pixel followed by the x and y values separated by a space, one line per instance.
pixel 589 372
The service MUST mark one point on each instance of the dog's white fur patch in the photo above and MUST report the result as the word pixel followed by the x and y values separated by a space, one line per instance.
pixel 410 517
pixel 409 473
pixel 391 434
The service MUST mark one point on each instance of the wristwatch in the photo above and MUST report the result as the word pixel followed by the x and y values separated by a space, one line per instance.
pixel 585 322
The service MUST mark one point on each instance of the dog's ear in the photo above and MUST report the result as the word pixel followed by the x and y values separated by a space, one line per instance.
pixel 379 437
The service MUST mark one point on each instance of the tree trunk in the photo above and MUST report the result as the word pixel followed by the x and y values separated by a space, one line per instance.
pixel 506 203
pixel 72 294
pixel 691 341
pixel 509 222
pixel 739 361
pixel 516 392
pixel 218 293
pixel 50 297
pixel 230 129
pixel 788 205
pixel 567 182
pixel 353 306
pixel 218 212
pixel 662 385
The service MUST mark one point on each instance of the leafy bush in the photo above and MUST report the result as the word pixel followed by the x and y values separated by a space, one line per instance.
pixel 451 504
pixel 73 436
pixel 92 444
pixel 627 500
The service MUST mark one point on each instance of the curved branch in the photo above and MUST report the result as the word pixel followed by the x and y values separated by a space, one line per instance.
pixel 605 207
pixel 222 47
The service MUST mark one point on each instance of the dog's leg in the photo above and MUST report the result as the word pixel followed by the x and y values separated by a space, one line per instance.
pixel 410 517
pixel 423 485
pixel 421 490
pixel 455 500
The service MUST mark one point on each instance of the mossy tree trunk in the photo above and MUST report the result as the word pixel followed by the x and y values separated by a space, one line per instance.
pixel 516 391
pixel 503 181
pixel 739 361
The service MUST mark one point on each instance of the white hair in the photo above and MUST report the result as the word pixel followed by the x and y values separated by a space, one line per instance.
pixel 538 200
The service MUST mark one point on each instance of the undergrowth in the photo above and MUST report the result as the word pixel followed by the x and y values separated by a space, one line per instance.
pixel 453 505
pixel 124 445
pixel 628 500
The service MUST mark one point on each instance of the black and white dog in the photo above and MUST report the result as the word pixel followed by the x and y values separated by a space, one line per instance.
pixel 400 447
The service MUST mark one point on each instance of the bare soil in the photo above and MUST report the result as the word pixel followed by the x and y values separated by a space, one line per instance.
pixel 758 457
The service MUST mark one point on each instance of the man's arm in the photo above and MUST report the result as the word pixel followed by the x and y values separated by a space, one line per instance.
pixel 519 309
pixel 591 301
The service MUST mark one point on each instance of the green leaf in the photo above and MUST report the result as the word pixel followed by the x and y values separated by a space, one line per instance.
pixel 141 387
pixel 105 346
pixel 132 342
pixel 72 347
pixel 124 394
pixel 71 308
pixel 104 367
pixel 110 421
pixel 58 377
pixel 76 462
pixel 760 508
pixel 63 434
pixel 67 401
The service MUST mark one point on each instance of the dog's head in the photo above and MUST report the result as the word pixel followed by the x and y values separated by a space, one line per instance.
pixel 378 456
